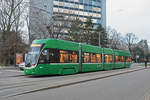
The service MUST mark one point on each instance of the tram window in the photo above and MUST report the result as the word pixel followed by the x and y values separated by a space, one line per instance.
pixel 122 58
pixel 49 56
pixel 128 59
pixel 53 55
pixel 64 56
pixel 87 58
pixel 43 58
pixel 99 58
pixel 117 58
pixel 108 59
pixel 93 58
pixel 74 57
pixel 68 56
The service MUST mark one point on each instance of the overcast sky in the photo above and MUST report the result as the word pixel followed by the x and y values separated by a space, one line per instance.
pixel 130 16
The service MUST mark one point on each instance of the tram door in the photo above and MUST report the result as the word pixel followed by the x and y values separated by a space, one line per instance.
pixel 80 59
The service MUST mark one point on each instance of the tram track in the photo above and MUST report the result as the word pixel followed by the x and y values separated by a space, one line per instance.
pixel 28 79
pixel 67 84
pixel 48 78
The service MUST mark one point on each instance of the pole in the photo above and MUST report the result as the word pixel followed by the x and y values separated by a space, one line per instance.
pixel 99 39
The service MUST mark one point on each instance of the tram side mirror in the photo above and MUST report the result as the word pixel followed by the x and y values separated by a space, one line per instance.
pixel 44 52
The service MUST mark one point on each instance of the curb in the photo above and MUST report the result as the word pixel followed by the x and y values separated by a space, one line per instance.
pixel 73 82
pixel 6 67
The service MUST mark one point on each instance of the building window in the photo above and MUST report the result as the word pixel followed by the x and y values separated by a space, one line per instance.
pixel 94 20
pixel 94 15
pixel 66 10
pixel 81 7
pixel 76 12
pixel 61 10
pixel 85 13
pixel 70 5
pixel 70 0
pixel 61 3
pixel 90 14
pixel 56 3
pixel 55 9
pixel 82 19
pixel 96 9
pixel 76 6
pixel 98 15
pixel 80 13
pixel 76 0
pixel 99 9
pixel 96 3
pixel 86 7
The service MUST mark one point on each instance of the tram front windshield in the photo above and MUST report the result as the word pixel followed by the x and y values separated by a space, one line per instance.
pixel 33 55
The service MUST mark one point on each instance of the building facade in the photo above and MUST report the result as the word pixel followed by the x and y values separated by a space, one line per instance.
pixel 74 8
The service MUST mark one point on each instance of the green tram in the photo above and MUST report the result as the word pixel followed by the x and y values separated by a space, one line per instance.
pixel 59 57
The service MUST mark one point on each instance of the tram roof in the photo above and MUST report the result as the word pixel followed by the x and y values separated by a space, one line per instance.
pixel 59 44
pixel 91 49
pixel 122 53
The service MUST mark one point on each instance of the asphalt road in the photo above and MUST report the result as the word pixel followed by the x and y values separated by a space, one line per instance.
pixel 129 86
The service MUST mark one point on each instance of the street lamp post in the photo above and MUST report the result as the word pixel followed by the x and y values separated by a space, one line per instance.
pixel 99 38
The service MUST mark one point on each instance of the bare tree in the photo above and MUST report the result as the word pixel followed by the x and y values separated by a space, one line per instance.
pixel 58 26
pixel 130 40
pixel 43 26
pixel 10 13
pixel 75 32
pixel 10 27
pixel 114 38
pixel 38 23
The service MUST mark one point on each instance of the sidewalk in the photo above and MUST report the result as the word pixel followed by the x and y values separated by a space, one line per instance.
pixel 8 67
